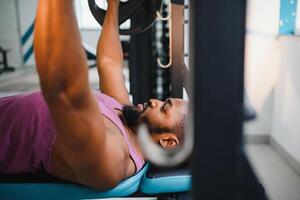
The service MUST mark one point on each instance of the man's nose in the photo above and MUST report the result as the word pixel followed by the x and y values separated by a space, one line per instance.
pixel 153 103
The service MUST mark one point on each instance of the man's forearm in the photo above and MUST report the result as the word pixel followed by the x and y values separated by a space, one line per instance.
pixel 110 57
pixel 61 61
pixel 109 49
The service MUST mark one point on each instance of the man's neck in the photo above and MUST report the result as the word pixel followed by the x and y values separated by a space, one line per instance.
pixel 132 133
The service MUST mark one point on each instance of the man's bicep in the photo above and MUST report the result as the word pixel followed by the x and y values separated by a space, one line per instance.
pixel 76 119
pixel 111 169
pixel 104 168
pixel 81 129
pixel 112 83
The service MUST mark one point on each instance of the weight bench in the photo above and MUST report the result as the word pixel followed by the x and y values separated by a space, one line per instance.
pixel 149 181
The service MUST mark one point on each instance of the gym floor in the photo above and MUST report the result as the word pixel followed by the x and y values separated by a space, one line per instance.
pixel 279 179
pixel 26 79
pixel 281 182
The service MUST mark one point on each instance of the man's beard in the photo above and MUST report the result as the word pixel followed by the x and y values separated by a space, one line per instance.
pixel 131 116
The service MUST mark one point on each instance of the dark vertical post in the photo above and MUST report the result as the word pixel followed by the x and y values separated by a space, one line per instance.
pixel 178 67
pixel 217 47
pixel 140 61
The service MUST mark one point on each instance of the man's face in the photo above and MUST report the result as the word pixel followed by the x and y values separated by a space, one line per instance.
pixel 164 120
pixel 159 115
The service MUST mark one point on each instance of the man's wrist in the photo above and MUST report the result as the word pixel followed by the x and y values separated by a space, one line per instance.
pixel 113 2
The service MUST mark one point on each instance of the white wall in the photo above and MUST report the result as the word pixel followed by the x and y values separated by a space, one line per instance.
pixel 272 77
pixel 90 37
pixel 286 114
pixel 15 18
pixel 27 13
pixel 261 62
pixel 9 36
pixel 12 29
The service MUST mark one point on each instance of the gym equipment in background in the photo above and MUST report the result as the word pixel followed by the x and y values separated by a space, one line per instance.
pixel 249 111
pixel 6 68
pixel 159 76
pixel 91 52
pixel 128 10
pixel 174 45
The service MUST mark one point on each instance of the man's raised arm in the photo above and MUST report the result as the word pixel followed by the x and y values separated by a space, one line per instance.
pixel 110 56
pixel 62 68
pixel 61 61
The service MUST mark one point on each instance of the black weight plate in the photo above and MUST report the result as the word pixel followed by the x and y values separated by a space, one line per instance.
pixel 150 7
pixel 127 10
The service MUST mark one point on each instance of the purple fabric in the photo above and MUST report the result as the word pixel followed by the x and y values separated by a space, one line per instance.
pixel 107 105
pixel 27 132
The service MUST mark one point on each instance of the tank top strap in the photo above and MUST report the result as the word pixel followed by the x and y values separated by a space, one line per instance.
pixel 108 110
pixel 139 162
pixel 111 102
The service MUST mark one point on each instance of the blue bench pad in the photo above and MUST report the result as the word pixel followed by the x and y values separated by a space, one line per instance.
pixel 68 191
pixel 157 181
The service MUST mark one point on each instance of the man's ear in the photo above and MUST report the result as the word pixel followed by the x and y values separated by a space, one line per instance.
pixel 168 141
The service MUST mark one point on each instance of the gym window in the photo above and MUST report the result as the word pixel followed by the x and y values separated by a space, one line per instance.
pixel 84 17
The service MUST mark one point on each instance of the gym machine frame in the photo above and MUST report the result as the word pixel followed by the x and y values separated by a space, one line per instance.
pixel 220 169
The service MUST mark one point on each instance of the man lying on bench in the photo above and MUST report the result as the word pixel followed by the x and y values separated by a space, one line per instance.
pixel 69 131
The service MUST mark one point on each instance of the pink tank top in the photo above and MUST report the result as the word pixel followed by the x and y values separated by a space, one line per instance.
pixel 27 133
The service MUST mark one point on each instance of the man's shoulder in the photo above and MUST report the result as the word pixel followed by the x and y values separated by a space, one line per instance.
pixel 101 97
